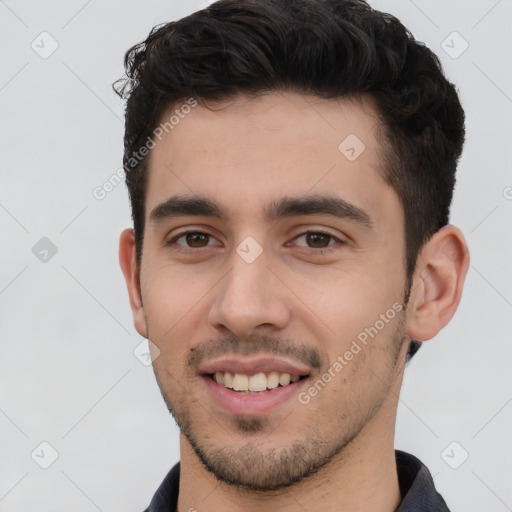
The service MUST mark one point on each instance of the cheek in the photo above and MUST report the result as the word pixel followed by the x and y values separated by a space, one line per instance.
pixel 348 302
pixel 169 295
pixel 175 304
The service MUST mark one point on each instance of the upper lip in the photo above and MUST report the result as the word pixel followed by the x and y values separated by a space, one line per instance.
pixel 252 366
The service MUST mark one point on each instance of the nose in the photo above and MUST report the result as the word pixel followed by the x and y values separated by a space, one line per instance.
pixel 249 298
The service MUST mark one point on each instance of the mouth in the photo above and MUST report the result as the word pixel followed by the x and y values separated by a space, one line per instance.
pixel 253 395
pixel 254 384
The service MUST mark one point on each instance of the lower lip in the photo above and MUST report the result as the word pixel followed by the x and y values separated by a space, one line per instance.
pixel 251 403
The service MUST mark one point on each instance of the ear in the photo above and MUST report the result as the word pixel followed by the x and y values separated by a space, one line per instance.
pixel 129 266
pixel 437 284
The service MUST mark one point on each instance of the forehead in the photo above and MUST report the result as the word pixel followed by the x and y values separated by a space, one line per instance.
pixel 243 152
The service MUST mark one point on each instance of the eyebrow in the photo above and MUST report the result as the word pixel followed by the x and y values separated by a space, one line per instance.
pixel 180 206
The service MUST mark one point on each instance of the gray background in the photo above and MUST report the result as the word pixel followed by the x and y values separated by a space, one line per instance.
pixel 69 376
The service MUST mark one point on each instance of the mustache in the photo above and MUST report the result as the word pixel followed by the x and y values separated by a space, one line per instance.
pixel 262 344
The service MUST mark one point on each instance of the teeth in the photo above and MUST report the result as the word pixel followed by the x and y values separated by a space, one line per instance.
pixel 228 379
pixel 273 380
pixel 240 382
pixel 284 379
pixel 255 383
pixel 258 382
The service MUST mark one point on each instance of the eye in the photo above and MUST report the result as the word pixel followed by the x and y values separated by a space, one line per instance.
pixel 318 241
pixel 192 240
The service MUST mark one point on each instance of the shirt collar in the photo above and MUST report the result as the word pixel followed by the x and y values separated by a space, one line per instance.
pixel 417 486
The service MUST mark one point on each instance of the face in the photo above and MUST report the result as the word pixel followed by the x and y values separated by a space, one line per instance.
pixel 273 251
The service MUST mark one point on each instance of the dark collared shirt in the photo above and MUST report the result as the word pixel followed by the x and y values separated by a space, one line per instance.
pixel 416 486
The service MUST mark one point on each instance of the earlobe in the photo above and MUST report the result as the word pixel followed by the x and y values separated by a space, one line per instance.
pixel 437 286
pixel 129 266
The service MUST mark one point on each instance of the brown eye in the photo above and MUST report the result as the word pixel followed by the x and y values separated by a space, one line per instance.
pixel 191 240
pixel 318 240
pixel 197 239
pixel 318 243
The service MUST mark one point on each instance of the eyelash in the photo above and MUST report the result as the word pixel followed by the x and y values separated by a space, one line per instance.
pixel 316 251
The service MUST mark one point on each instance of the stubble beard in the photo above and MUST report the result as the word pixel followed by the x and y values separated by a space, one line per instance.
pixel 254 467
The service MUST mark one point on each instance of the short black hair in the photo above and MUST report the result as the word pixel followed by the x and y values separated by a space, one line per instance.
pixel 327 48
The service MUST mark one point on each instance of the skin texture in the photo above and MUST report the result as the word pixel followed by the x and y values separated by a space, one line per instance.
pixel 198 301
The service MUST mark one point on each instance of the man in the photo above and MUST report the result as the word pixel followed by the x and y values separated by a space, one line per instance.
pixel 290 165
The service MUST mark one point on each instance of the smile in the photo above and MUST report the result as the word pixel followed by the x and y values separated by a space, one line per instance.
pixel 256 383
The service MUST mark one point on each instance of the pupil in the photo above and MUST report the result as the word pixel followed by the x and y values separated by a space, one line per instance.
pixel 193 237
pixel 312 236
